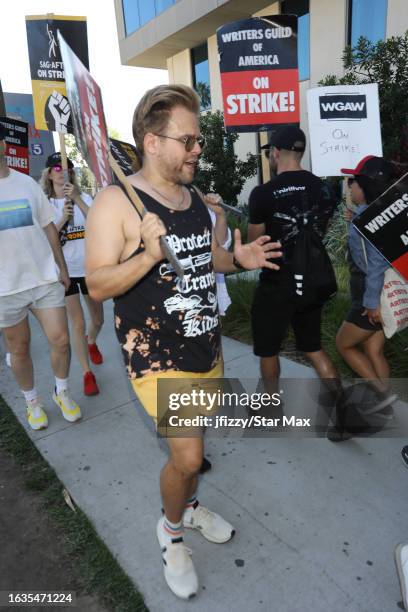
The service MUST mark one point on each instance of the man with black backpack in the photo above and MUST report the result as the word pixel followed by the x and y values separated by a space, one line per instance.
pixel 294 207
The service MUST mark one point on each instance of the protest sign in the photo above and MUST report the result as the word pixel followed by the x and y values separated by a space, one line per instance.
pixel 51 107
pixel 125 154
pixel 40 142
pixel 16 144
pixel 2 104
pixel 259 72
pixel 344 126
pixel 385 224
pixel 91 135
pixel 88 118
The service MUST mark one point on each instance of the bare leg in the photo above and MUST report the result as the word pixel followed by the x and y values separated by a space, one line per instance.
pixel 76 316
pixel 322 364
pixel 96 318
pixel 18 343
pixel 348 338
pixel 374 349
pixel 270 372
pixel 55 326
pixel 178 478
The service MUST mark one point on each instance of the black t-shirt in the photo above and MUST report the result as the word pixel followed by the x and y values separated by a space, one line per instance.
pixel 284 205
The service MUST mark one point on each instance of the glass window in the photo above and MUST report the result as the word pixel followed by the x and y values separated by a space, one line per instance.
pixel 201 75
pixel 147 11
pixel 301 9
pixel 162 5
pixel 138 12
pixel 131 16
pixel 367 18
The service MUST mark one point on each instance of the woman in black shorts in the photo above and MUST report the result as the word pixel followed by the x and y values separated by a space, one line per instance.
pixel 360 339
pixel 71 208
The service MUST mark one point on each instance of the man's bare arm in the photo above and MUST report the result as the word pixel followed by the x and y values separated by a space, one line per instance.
pixel 105 240
pixel 53 239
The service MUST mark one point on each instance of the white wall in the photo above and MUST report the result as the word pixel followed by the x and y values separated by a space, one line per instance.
pixel 397 17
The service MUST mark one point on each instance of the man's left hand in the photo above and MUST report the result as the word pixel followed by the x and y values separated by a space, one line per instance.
pixel 256 254
pixel 213 200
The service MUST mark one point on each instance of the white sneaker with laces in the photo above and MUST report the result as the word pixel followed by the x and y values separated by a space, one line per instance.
pixel 36 415
pixel 69 408
pixel 401 561
pixel 210 524
pixel 178 567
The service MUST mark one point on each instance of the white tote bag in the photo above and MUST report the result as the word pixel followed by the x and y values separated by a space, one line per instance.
pixel 393 301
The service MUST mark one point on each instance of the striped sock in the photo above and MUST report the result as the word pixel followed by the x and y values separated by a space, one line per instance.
pixel 174 531
pixel 192 502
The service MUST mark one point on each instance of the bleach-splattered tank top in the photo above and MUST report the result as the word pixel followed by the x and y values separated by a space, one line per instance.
pixel 163 323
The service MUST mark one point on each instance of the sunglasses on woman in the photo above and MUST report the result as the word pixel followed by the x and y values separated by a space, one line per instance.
pixel 59 168
pixel 350 181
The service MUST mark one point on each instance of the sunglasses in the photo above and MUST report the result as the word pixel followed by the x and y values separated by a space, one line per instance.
pixel 188 141
pixel 59 168
pixel 267 153
pixel 350 181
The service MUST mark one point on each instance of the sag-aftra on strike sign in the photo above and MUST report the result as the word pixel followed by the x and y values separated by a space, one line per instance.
pixel 259 72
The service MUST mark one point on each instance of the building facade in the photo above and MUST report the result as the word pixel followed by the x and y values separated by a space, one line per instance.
pixel 180 35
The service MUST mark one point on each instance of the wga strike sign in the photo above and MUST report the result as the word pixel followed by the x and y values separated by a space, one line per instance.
pixel 259 72
pixel 51 106
pixel 385 224
pixel 16 144
pixel 344 126
pixel 88 117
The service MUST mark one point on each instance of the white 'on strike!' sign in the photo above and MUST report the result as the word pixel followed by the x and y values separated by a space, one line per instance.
pixel 344 126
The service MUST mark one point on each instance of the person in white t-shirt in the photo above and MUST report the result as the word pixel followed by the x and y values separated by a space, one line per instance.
pixel 33 274
pixel 223 235
pixel 71 207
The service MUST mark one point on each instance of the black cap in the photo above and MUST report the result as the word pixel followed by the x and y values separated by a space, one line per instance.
pixel 3 132
pixel 55 160
pixel 290 138
pixel 375 168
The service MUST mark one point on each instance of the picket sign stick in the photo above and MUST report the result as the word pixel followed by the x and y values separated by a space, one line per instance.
pixel 168 252
pixel 64 164
pixel 226 207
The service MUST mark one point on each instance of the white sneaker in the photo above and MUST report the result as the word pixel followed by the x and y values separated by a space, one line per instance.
pixel 401 561
pixel 178 567
pixel 36 415
pixel 8 360
pixel 70 409
pixel 211 525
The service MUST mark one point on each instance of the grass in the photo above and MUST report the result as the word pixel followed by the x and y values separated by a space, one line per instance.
pixel 96 568
pixel 237 324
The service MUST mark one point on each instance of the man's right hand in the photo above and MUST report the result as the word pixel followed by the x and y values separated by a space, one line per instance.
pixel 151 228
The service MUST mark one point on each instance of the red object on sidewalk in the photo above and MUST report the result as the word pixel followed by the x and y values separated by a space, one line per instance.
pixel 90 386
pixel 95 354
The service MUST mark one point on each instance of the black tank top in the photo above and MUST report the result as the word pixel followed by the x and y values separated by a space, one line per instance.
pixel 163 323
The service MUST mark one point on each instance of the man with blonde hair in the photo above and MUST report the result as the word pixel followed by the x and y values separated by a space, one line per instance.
pixel 167 328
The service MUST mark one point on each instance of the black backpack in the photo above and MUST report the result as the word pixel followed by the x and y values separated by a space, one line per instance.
pixel 313 275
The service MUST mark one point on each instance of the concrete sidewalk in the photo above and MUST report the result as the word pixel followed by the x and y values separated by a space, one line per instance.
pixel 316 522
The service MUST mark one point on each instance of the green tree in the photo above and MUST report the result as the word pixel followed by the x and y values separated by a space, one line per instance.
pixel 85 177
pixel 385 63
pixel 220 170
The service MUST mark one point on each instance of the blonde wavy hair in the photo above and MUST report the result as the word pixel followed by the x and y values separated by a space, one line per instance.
pixel 47 186
pixel 153 112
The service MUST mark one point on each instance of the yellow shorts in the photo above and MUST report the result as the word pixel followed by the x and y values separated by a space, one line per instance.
pixel 146 387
